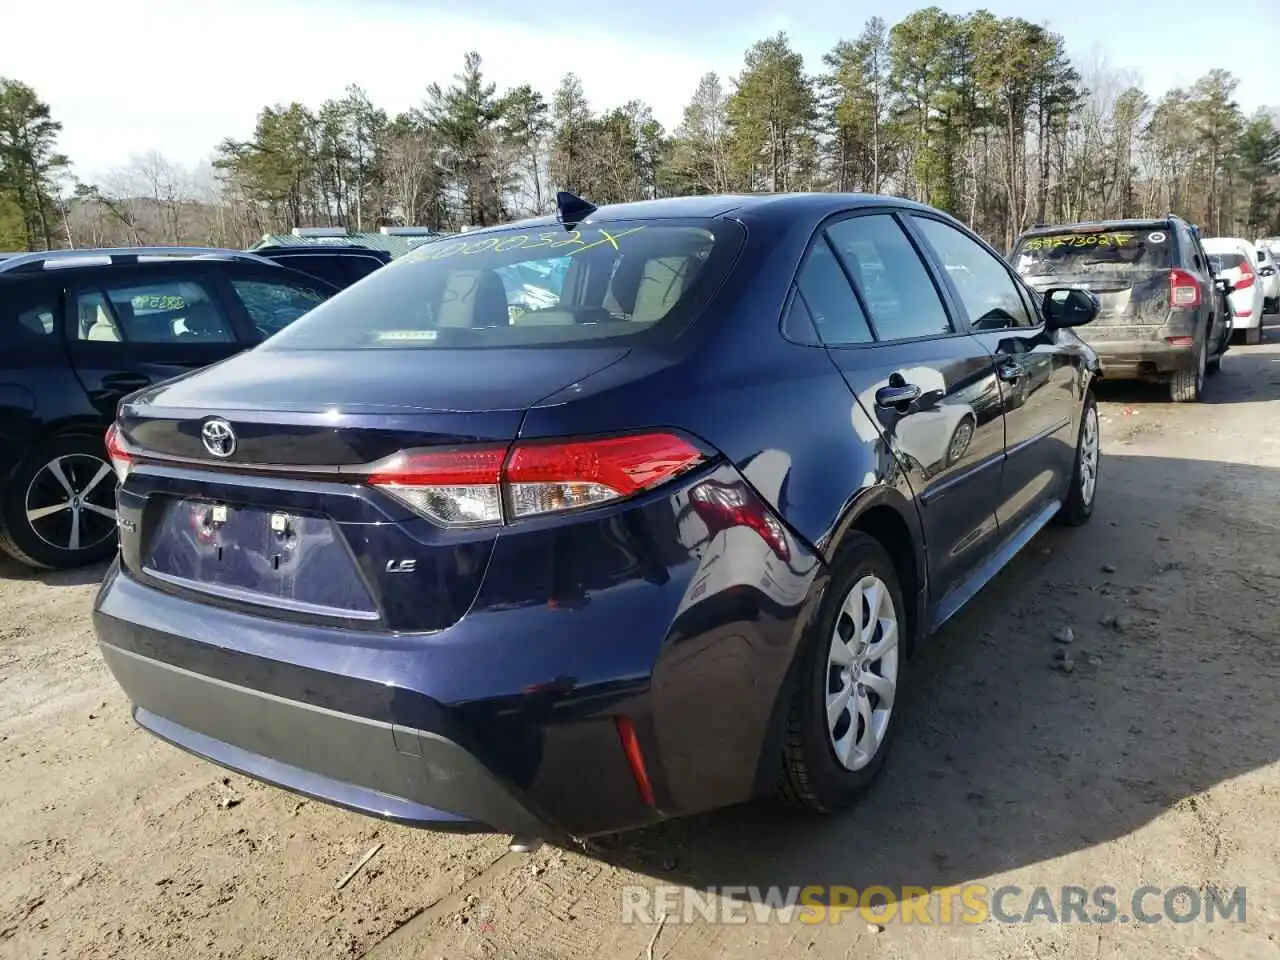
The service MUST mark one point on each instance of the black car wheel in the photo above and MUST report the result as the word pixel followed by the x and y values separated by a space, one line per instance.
pixel 1188 383
pixel 58 509
pixel 1078 507
pixel 845 710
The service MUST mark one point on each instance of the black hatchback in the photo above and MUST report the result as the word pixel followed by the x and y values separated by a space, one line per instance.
pixel 81 330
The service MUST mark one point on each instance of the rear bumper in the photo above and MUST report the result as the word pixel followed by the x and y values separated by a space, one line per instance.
pixel 1137 352
pixel 509 718
pixel 396 773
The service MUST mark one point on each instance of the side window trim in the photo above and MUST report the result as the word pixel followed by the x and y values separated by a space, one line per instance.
pixel 952 289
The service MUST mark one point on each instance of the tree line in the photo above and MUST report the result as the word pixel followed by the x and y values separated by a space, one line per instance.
pixel 984 117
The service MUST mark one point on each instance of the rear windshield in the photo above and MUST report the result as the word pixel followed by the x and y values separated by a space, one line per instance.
pixel 538 286
pixel 1107 252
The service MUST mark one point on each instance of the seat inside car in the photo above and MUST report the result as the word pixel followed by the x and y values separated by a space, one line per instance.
pixel 646 288
pixel 473 298
pixel 103 328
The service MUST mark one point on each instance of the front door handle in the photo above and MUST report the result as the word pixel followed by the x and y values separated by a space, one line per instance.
pixel 897 394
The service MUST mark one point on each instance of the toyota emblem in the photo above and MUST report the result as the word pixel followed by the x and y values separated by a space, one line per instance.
pixel 219 439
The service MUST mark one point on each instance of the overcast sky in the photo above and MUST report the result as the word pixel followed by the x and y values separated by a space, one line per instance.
pixel 127 76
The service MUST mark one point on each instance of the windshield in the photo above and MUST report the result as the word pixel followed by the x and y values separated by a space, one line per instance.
pixel 537 286
pixel 1108 253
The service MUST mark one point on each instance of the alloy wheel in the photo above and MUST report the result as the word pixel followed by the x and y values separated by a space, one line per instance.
pixel 1089 443
pixel 862 673
pixel 70 502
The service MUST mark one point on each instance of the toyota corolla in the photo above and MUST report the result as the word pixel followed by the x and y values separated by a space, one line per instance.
pixel 652 544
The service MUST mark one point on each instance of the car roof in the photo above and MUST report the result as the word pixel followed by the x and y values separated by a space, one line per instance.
pixel 757 205
pixel 321 248
pixel 87 258
pixel 152 260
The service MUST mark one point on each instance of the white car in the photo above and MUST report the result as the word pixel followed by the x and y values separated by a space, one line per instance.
pixel 1269 271
pixel 1236 260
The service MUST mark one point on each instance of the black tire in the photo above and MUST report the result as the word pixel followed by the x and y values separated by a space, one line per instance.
pixel 1253 336
pixel 1078 506
pixel 812 775
pixel 1187 384
pixel 36 543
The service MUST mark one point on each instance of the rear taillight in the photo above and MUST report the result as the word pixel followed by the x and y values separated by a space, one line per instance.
pixel 452 487
pixel 484 485
pixel 1184 289
pixel 544 477
pixel 118 452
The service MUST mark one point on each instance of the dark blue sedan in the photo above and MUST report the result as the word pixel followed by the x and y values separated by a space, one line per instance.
pixel 570 526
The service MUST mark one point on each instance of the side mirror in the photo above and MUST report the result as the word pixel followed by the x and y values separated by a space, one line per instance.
pixel 1223 284
pixel 1267 271
pixel 1069 307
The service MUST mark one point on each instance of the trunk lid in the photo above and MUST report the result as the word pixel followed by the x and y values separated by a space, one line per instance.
pixel 320 408
pixel 285 524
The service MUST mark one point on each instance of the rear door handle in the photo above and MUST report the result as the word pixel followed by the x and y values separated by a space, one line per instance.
pixel 897 394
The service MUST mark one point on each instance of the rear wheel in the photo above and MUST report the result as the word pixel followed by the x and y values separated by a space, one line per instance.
pixel 844 709
pixel 1188 383
pixel 58 510
pixel 1253 335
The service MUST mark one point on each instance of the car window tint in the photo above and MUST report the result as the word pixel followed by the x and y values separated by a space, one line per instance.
pixel 330 269
pixel 272 306
pixel 989 294
pixel 27 316
pixel 895 285
pixel 39 320
pixel 1190 249
pixel 170 311
pixel 831 302
pixel 359 267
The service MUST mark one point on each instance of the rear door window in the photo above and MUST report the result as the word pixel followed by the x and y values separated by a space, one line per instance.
pixel 1102 253
pixel 164 312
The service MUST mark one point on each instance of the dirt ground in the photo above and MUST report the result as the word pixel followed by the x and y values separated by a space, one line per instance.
pixel 1152 762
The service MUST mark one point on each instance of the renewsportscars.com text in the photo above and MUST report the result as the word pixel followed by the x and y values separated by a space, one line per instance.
pixel 972 903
